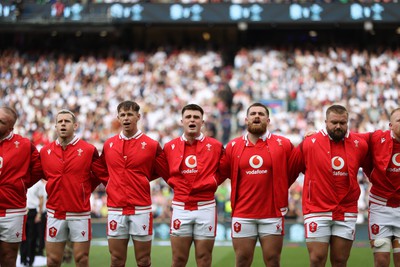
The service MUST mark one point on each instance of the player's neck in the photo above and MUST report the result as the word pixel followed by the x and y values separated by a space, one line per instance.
pixel 130 133
pixel 191 138
pixel 64 141
pixel 253 138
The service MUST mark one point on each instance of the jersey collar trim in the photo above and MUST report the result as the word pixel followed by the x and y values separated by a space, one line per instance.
pixel 135 136
pixel 73 141
pixel 198 138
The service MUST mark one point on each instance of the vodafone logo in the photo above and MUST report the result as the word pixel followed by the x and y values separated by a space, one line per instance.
pixel 256 161
pixel 337 163
pixel 191 161
pixel 396 159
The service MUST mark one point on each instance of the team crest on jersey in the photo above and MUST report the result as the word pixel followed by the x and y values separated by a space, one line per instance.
pixel 313 140
pixel 237 227
pixel 173 146
pixel 177 224
pixel 279 141
pixel 356 142
pixel 111 144
pixel 144 144
pixel 80 152
pixel 375 229
pixel 383 140
pixel 113 225
pixel 48 151
pixel 209 147
pixel 52 232
pixel 233 143
pixel 16 143
pixel 313 226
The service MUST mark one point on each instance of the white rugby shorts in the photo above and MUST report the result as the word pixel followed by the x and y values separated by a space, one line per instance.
pixel 383 221
pixel 244 227
pixel 200 223
pixel 12 229
pixel 139 226
pixel 77 230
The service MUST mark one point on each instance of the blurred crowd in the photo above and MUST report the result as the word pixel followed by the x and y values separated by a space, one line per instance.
pixel 297 84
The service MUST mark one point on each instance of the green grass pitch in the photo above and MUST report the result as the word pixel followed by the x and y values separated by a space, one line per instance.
pixel 223 256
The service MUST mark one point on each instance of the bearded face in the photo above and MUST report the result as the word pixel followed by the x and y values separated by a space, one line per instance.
pixel 257 121
pixel 336 126
pixel 257 127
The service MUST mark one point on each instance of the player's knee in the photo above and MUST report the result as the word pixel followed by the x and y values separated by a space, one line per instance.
pixel 317 259
pixel 272 261
pixel 53 261
pixel 179 260
pixel 381 245
pixel 203 260
pixel 117 261
pixel 82 260
pixel 244 260
pixel 145 261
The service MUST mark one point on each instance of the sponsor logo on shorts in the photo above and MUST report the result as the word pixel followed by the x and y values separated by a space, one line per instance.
pixel 177 224
pixel 144 226
pixel 83 233
pixel 237 227
pixel 113 225
pixel 312 227
pixel 52 232
pixel 210 228
pixel 375 229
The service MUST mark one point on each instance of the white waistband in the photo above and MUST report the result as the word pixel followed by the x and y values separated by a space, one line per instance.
pixel 122 211
pixel 13 212
pixel 69 215
pixel 320 216
pixel 193 205
pixel 377 199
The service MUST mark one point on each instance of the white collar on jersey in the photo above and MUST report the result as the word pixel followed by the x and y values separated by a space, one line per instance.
pixel 8 137
pixel 73 141
pixel 122 136
pixel 198 138
pixel 264 137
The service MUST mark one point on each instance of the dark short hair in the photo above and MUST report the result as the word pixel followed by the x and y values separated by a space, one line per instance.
pixel 66 111
pixel 192 107
pixel 127 105
pixel 11 112
pixel 337 109
pixel 258 105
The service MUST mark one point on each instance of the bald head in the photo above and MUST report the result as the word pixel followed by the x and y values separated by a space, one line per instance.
pixel 8 117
